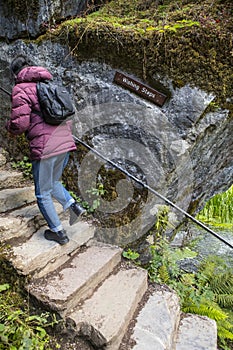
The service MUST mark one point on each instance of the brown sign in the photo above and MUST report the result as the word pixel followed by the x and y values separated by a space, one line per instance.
pixel 140 89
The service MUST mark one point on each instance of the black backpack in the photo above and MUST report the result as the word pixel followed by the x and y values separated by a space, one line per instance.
pixel 55 102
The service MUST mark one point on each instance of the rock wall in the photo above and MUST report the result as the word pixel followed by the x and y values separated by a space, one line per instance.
pixel 179 150
pixel 183 150
pixel 18 20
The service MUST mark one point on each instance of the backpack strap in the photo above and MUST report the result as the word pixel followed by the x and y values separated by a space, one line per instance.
pixel 36 112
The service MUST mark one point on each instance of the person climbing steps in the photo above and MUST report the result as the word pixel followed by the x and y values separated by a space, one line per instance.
pixel 50 146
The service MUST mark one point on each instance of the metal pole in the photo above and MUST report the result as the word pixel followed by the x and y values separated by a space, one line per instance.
pixel 7 92
pixel 154 192
pixel 147 187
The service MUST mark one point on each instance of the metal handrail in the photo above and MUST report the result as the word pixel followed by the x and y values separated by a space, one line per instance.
pixel 147 187
pixel 153 191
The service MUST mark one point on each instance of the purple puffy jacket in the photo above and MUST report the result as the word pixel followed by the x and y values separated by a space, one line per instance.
pixel 45 140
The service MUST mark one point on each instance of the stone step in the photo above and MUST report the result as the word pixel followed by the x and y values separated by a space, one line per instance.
pixel 170 330
pixel 2 158
pixel 196 332
pixel 23 223
pixel 157 322
pixel 13 198
pixel 10 179
pixel 104 317
pixel 38 256
pixel 77 280
pixel 20 223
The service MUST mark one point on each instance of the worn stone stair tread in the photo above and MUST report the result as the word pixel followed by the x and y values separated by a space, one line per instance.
pixel 13 198
pixel 104 317
pixel 63 289
pixel 20 223
pixel 11 227
pixel 40 256
pixel 196 333
pixel 32 210
pixel 23 222
pixel 10 178
pixel 157 322
pixel 2 158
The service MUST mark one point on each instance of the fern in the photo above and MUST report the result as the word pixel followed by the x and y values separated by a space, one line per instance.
pixel 224 300
pixel 208 292
pixel 222 283
pixel 216 277
pixel 224 333
pixel 206 310
pixel 164 274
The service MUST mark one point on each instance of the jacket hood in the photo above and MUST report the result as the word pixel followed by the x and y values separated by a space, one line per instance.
pixel 33 74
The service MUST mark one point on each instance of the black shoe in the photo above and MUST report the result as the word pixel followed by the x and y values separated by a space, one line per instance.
pixel 59 237
pixel 76 211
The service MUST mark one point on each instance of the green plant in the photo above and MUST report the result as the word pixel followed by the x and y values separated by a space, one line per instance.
pixel 219 210
pixel 19 330
pixel 96 193
pixel 163 222
pixel 208 292
pixel 173 27
pixel 130 254
pixel 214 283
pixel 84 204
pixel 163 267
pixel 24 165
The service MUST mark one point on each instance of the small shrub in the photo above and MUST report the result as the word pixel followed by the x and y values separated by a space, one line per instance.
pixel 23 165
pixel 19 330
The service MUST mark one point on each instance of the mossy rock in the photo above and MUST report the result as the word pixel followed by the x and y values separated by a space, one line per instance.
pixel 190 42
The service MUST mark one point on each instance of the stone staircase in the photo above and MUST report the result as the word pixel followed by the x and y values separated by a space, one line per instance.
pixel 100 297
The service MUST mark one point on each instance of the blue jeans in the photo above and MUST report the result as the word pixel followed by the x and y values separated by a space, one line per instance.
pixel 47 174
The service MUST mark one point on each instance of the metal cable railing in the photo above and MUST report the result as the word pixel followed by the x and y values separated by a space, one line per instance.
pixel 199 223
pixel 154 192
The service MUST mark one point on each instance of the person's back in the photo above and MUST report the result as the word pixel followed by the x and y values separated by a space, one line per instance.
pixel 45 140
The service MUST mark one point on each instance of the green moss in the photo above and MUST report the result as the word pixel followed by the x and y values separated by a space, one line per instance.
pixel 189 41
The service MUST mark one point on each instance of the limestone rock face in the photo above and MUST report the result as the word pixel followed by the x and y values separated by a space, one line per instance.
pixel 18 21
pixel 179 150
pixel 182 150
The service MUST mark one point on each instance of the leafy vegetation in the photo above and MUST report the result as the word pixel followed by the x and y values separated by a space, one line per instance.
pixel 219 210
pixel 23 165
pixel 96 193
pixel 208 291
pixel 130 254
pixel 188 40
pixel 19 329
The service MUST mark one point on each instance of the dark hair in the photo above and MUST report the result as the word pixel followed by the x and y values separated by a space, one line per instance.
pixel 20 62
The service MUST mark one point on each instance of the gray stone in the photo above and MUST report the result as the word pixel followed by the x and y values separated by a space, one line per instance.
pixel 10 179
pixel 77 280
pixel 39 256
pixel 11 227
pixel 2 159
pixel 22 223
pixel 157 322
pixel 15 23
pixel 105 316
pixel 13 198
pixel 196 333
